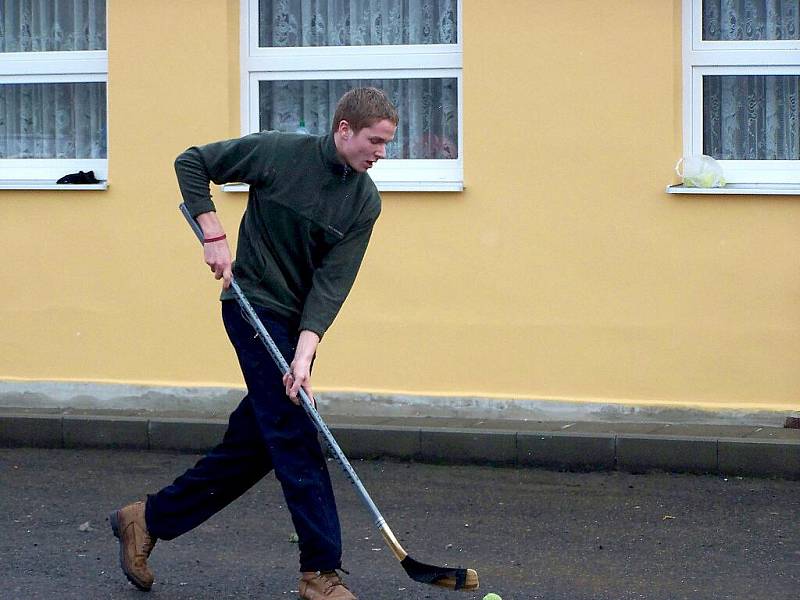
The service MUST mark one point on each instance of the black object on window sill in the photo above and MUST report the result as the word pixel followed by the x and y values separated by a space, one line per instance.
pixel 79 177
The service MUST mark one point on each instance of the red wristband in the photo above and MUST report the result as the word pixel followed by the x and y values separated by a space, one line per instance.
pixel 214 239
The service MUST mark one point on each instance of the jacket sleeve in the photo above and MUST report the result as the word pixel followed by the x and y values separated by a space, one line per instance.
pixel 333 280
pixel 241 160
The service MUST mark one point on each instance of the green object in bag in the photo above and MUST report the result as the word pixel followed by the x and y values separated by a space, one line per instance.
pixel 700 171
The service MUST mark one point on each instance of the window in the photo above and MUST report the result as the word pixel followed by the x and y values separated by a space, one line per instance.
pixel 53 75
pixel 300 56
pixel 741 78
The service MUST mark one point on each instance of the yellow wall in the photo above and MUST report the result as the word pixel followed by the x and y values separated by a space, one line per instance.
pixel 563 270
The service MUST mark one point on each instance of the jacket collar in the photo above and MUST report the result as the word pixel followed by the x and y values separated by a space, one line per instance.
pixel 331 157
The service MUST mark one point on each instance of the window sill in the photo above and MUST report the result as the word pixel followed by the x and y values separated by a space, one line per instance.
pixel 35 184
pixel 384 186
pixel 742 189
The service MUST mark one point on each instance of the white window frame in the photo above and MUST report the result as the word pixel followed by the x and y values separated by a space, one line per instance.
pixel 359 62
pixel 51 67
pixel 768 57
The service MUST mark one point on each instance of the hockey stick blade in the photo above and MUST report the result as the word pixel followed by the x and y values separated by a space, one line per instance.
pixel 453 579
pixel 446 577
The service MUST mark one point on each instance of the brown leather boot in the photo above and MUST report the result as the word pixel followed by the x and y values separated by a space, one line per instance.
pixel 135 544
pixel 324 585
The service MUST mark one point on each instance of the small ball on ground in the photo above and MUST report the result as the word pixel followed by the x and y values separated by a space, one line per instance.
pixel 492 596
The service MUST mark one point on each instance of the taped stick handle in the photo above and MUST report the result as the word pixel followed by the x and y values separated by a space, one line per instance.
pixel 306 403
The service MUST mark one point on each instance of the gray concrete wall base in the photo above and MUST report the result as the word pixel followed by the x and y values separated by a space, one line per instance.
pixel 172 401
pixel 218 402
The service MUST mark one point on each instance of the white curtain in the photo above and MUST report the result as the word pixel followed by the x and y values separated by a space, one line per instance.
pixel 428 107
pixel 428 111
pixel 751 20
pixel 52 120
pixel 50 25
pixel 751 117
pixel 356 22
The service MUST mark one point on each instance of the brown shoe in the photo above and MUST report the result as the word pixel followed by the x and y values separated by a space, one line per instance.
pixel 135 544
pixel 324 585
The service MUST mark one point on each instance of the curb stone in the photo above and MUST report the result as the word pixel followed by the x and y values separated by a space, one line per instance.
pixel 758 451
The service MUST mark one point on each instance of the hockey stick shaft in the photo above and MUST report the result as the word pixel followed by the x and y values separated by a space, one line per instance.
pixel 306 403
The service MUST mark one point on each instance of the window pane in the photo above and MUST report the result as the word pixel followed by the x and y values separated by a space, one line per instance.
pixel 50 25
pixel 751 117
pixel 428 110
pixel 292 23
pixel 751 20
pixel 53 120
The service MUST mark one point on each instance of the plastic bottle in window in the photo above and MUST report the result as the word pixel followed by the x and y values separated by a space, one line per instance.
pixel 301 127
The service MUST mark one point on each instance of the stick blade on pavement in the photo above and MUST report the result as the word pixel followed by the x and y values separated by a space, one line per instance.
pixel 450 578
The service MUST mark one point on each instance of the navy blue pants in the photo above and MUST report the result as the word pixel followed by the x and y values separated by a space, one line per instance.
pixel 267 431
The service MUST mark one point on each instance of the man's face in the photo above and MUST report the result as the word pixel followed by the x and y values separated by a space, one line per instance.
pixel 363 149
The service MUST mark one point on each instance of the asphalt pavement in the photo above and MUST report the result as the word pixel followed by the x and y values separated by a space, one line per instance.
pixel 530 533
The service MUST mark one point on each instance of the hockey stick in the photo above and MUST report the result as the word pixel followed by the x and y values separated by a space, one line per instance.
pixel 454 579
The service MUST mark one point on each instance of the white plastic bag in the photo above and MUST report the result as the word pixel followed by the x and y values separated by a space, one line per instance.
pixel 700 171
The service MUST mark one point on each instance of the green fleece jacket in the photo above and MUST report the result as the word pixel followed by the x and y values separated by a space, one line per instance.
pixel 308 220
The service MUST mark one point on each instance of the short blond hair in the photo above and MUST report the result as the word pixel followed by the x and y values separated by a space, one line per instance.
pixel 363 107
